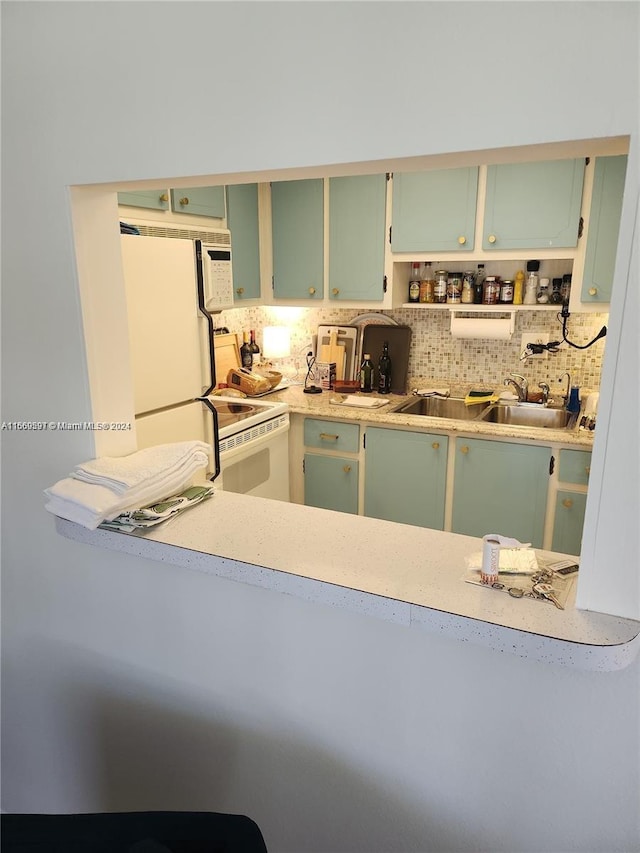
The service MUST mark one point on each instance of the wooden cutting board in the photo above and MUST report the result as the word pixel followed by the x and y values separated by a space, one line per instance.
pixel 333 351
pixel 227 355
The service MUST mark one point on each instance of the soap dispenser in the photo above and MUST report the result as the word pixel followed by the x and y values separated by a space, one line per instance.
pixel 573 403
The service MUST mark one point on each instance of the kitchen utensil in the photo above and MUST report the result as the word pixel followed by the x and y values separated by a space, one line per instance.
pixel 347 337
pixel 334 353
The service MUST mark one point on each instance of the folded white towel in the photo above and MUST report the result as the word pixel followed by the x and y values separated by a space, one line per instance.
pixel 120 473
pixel 90 503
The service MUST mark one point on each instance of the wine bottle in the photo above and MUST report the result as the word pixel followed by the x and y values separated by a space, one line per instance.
pixel 366 374
pixel 255 349
pixel 384 370
pixel 246 356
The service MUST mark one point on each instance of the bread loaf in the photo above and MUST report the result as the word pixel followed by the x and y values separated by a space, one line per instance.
pixel 245 380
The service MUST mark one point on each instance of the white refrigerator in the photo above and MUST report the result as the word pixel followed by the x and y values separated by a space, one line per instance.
pixel 168 339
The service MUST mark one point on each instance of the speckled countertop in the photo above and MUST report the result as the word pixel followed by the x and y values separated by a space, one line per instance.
pixel 321 406
pixel 410 575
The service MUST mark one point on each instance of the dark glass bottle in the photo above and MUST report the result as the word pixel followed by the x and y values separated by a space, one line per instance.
pixel 255 349
pixel 366 374
pixel 384 370
pixel 246 356
pixel 478 286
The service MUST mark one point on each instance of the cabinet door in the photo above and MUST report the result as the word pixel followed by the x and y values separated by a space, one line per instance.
pixel 434 211
pixel 574 466
pixel 198 201
pixel 533 205
pixel 356 237
pixel 405 476
pixel 568 522
pixel 604 224
pixel 151 199
pixel 297 221
pixel 501 488
pixel 242 221
pixel 331 482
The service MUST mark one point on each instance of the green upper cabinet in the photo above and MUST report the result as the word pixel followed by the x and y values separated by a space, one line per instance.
pixel 533 205
pixel 405 476
pixel 242 221
pixel 297 221
pixel 198 201
pixel 356 237
pixel 151 199
pixel 604 224
pixel 500 488
pixel 434 211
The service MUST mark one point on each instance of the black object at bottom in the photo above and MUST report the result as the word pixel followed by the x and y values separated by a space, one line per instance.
pixel 312 389
pixel 131 832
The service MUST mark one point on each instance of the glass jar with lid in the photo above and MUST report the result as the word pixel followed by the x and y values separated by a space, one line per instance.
pixel 440 287
pixel 491 290
pixel 454 288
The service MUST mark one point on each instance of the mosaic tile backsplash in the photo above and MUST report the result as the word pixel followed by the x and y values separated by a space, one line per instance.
pixel 437 357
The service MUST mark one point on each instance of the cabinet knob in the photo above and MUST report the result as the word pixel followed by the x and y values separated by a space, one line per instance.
pixel 346 469
pixel 593 291
pixel 312 291
pixel 335 291
pixel 326 436
pixel 462 240
pixel 492 238
pixel 184 201
pixel 164 197
pixel 436 445
pixel 567 502
pixel 587 469
pixel 240 291
pixel 464 449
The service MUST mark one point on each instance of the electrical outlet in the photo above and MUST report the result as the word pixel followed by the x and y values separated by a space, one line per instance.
pixel 535 338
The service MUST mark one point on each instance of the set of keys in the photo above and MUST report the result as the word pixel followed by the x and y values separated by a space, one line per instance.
pixel 545 590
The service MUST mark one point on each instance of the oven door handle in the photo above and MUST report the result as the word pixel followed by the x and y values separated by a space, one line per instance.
pixel 216 436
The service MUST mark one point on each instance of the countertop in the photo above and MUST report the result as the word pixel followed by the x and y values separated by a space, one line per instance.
pixel 410 575
pixel 320 406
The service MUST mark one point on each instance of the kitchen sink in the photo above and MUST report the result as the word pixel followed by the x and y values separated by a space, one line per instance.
pixel 528 415
pixel 442 407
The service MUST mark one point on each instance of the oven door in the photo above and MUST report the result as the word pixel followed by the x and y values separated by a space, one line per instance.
pixel 258 466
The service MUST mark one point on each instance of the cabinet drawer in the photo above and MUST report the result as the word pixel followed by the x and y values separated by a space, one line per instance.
pixel 331 435
pixel 568 522
pixel 574 466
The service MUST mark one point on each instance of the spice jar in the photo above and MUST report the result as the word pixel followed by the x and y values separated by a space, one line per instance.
pixel 440 287
pixel 491 291
pixel 454 288
pixel 506 292
pixel 468 280
pixel 426 284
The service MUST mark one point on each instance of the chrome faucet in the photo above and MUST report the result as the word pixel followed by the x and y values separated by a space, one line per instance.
pixel 522 389
pixel 545 392
pixel 565 397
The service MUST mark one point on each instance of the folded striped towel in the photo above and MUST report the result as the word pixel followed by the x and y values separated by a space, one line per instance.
pixel 89 504
pixel 120 473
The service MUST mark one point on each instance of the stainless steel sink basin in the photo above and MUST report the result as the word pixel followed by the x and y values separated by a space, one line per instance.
pixel 442 407
pixel 528 415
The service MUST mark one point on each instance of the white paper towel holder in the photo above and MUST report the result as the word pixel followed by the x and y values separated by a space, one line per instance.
pixel 502 324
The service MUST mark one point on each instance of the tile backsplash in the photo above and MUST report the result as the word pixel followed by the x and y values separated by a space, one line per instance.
pixel 436 356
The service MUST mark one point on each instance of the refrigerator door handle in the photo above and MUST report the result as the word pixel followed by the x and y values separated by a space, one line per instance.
pixel 216 436
pixel 210 324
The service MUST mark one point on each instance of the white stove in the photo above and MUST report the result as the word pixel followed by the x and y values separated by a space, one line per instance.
pixel 254 446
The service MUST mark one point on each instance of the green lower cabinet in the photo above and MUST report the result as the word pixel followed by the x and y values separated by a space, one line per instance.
pixel 405 477
pixel 568 522
pixel 331 482
pixel 500 488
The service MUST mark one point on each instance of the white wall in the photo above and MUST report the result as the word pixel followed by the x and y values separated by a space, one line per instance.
pixel 129 684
